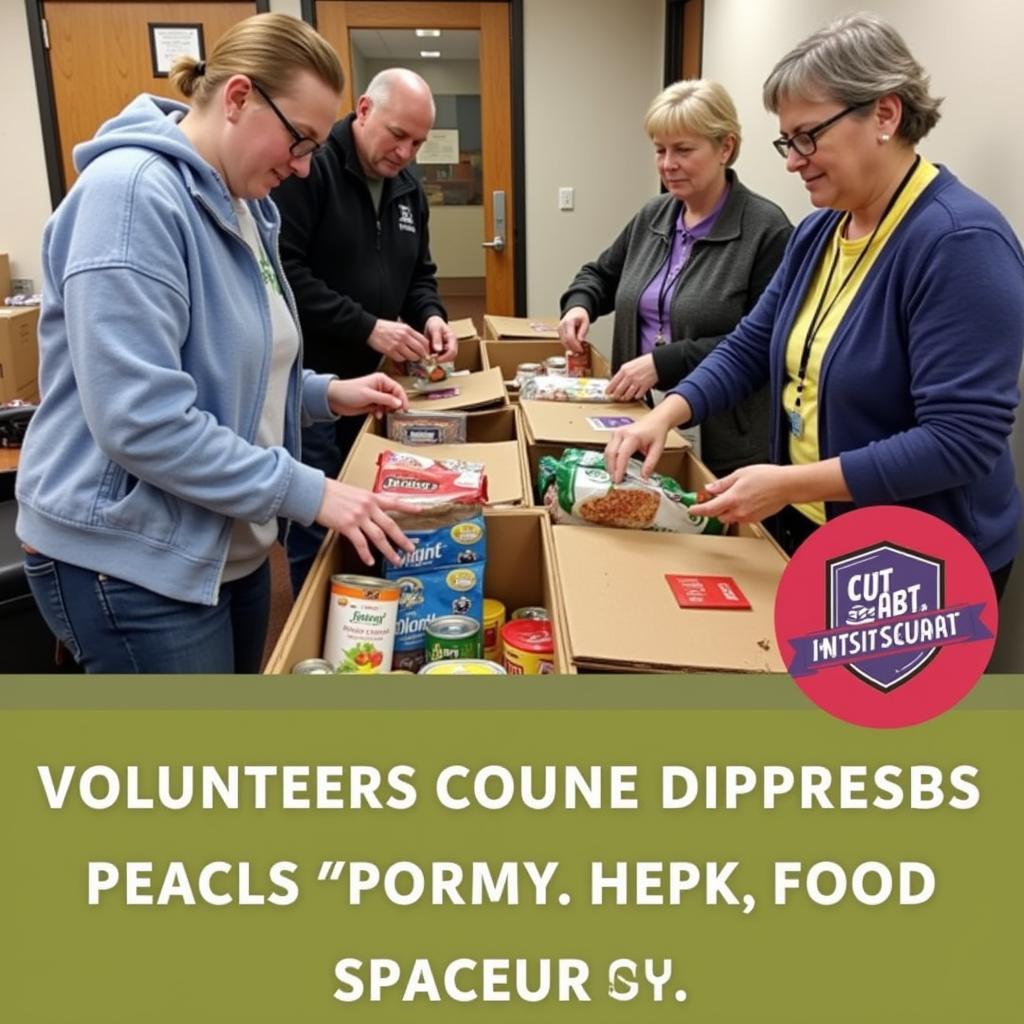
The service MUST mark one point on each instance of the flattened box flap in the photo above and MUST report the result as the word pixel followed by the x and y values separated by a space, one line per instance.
pixel 521 326
pixel 569 422
pixel 620 614
pixel 475 390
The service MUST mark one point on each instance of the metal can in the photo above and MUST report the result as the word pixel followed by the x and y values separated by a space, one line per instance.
pixel 577 364
pixel 555 365
pixel 361 624
pixel 528 647
pixel 313 667
pixel 527 371
pixel 452 636
pixel 493 620
pixel 532 611
pixel 462 667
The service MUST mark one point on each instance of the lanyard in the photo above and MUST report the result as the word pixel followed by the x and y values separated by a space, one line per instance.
pixel 818 317
pixel 666 283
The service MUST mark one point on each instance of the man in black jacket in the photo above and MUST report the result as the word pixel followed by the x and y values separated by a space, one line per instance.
pixel 356 249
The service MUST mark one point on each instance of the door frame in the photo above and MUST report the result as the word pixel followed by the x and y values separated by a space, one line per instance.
pixel 516 87
pixel 47 101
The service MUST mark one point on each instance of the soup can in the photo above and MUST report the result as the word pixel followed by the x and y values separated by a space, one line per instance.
pixel 528 647
pixel 533 611
pixel 462 667
pixel 493 620
pixel 555 365
pixel 361 624
pixel 452 637
pixel 527 371
pixel 577 364
pixel 312 667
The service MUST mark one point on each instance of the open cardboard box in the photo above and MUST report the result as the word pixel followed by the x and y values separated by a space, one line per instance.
pixel 507 355
pixel 507 479
pixel 570 425
pixel 519 572
pixel 469 357
pixel 19 353
pixel 621 616
pixel 521 326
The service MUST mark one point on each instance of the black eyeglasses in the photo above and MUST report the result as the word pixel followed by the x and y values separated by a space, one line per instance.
pixel 805 143
pixel 303 144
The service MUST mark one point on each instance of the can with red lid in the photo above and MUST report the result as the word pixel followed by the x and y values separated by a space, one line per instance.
pixel 528 647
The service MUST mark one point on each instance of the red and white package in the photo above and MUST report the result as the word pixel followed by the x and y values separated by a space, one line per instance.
pixel 427 481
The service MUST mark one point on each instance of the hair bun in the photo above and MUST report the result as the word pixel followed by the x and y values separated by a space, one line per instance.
pixel 200 69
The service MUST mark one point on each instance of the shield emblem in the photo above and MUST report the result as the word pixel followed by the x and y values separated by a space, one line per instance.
pixel 881 584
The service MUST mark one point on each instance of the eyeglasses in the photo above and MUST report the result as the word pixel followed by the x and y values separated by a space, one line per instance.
pixel 303 144
pixel 805 143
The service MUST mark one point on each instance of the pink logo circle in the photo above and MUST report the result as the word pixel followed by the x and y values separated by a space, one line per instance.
pixel 886 617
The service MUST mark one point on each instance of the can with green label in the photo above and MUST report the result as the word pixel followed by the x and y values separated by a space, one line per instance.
pixel 452 636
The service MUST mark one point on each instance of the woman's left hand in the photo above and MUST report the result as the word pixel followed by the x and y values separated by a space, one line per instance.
pixel 747 495
pixel 633 380
pixel 376 393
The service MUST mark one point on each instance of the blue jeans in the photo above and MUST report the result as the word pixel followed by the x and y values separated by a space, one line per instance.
pixel 110 625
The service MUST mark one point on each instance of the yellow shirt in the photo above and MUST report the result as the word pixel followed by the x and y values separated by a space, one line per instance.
pixel 803 449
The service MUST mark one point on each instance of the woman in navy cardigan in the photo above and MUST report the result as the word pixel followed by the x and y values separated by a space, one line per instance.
pixel 891 334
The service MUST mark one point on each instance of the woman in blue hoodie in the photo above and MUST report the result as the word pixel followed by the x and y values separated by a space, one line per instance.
pixel 891 334
pixel 165 450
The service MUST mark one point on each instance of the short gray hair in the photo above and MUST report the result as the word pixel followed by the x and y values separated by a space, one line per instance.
pixel 854 60
pixel 383 85
pixel 699 107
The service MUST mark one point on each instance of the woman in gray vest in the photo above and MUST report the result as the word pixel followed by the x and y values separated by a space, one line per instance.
pixel 686 268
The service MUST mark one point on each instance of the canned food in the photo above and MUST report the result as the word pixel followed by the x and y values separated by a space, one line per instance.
pixel 528 647
pixel 313 667
pixel 462 667
pixel 577 364
pixel 555 365
pixel 527 371
pixel 532 611
pixel 361 624
pixel 409 661
pixel 452 636
pixel 493 620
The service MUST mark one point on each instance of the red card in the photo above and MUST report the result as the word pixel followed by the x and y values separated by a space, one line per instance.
pixel 706 591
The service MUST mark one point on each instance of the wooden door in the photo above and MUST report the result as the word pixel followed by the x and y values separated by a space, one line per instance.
pixel 100 57
pixel 336 18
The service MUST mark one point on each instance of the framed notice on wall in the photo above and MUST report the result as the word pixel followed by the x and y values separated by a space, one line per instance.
pixel 168 42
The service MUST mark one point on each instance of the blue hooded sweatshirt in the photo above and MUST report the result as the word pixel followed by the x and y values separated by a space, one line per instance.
pixel 155 353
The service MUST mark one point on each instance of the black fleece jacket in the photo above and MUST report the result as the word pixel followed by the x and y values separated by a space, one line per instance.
pixel 348 267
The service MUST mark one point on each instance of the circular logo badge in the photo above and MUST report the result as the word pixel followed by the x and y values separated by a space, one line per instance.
pixel 886 617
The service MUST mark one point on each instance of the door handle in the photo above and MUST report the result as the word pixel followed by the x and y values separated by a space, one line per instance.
pixel 497 245
pixel 498 216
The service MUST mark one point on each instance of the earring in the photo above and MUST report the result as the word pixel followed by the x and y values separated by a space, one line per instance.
pixel 884 138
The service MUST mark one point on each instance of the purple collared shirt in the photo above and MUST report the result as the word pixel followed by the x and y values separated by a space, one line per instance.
pixel 651 320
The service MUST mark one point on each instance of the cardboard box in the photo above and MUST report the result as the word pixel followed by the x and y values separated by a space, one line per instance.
pixel 507 355
pixel 470 356
pixel 507 482
pixel 5 276
pixel 475 390
pixel 621 615
pixel 521 326
pixel 19 353
pixel 464 329
pixel 519 572
pixel 569 423
pixel 482 427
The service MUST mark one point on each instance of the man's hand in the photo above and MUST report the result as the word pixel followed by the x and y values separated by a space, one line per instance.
pixel 376 393
pixel 398 341
pixel 633 380
pixel 573 327
pixel 444 346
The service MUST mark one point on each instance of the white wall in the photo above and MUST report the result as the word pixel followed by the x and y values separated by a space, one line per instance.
pixel 972 52
pixel 24 194
pixel 591 68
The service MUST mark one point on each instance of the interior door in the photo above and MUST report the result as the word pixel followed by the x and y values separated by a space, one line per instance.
pixel 101 58
pixel 341 22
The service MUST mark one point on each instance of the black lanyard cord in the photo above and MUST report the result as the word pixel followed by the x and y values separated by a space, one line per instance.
pixel 819 316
